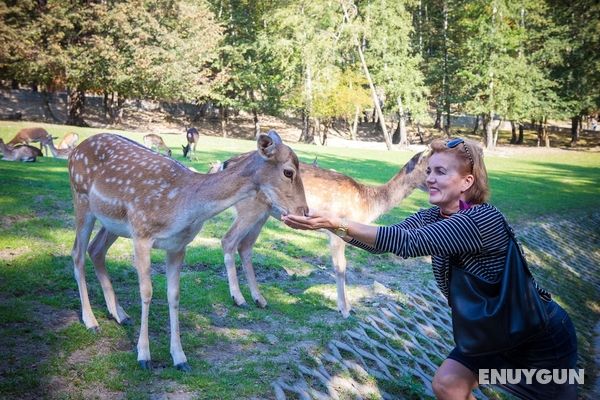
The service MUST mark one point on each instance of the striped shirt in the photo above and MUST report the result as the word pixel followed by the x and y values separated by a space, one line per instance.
pixel 475 238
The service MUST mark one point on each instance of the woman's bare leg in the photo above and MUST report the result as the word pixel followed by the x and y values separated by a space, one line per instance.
pixel 453 381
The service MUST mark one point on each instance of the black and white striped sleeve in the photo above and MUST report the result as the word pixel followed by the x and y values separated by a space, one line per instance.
pixel 413 222
pixel 456 235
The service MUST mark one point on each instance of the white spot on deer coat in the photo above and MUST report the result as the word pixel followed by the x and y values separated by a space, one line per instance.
pixel 172 194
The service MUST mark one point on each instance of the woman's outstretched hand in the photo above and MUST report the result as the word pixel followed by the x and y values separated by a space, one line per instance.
pixel 311 222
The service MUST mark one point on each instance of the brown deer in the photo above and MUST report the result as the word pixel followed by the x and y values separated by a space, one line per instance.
pixel 329 192
pixel 28 135
pixel 193 136
pixel 69 141
pixel 157 143
pixel 159 203
pixel 57 153
pixel 19 153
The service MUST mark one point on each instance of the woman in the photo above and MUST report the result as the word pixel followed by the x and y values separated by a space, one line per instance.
pixel 463 227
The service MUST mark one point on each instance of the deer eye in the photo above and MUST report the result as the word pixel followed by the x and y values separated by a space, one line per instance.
pixel 288 173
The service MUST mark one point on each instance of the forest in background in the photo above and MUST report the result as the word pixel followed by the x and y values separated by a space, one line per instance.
pixel 326 61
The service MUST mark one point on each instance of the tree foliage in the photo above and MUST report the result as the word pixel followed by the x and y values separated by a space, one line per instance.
pixel 501 59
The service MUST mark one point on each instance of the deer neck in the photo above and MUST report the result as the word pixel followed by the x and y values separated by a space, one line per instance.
pixel 385 197
pixel 53 149
pixel 213 193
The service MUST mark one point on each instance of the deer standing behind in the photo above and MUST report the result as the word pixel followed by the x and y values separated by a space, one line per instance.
pixel 24 153
pixel 159 203
pixel 57 153
pixel 155 142
pixel 327 192
pixel 69 141
pixel 193 136
pixel 28 135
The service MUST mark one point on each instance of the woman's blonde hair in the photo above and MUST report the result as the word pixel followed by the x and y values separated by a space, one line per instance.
pixel 470 157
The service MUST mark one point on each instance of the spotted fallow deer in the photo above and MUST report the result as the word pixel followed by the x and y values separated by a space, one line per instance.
pixel 69 141
pixel 193 136
pixel 19 153
pixel 328 192
pixel 57 153
pixel 155 142
pixel 159 203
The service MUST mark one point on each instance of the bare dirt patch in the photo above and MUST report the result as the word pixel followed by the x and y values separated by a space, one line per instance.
pixel 12 254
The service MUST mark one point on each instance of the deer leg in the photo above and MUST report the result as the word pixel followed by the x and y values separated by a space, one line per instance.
pixel 245 250
pixel 141 249
pixel 338 258
pixel 84 225
pixel 174 261
pixel 97 252
pixel 229 243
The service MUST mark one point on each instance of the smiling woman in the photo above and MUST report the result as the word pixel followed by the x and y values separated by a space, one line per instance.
pixel 467 237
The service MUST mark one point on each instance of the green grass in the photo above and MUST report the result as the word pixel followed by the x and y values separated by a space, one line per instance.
pixel 234 352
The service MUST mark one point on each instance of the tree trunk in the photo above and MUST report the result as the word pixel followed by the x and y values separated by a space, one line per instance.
pixel 47 100
pixel 402 124
pixel 575 125
pixel 521 129
pixel 513 130
pixel 306 135
pixel 386 135
pixel 438 119
pixel 256 123
pixel 107 104
pixel 496 130
pixel 476 126
pixel 489 134
pixel 75 107
pixel 546 134
pixel 223 119
pixel 118 112
pixel 445 83
pixel 419 133
pixel 354 129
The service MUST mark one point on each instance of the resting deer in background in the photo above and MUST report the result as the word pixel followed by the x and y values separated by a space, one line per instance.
pixel 193 136
pixel 69 141
pixel 28 135
pixel 327 192
pixel 157 143
pixel 19 153
pixel 160 203
pixel 57 153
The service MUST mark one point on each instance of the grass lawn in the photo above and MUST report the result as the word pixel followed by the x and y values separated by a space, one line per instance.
pixel 234 352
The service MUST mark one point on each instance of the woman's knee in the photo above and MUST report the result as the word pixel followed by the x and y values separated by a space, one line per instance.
pixel 453 381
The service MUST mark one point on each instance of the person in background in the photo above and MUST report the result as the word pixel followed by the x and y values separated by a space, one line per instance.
pixel 461 226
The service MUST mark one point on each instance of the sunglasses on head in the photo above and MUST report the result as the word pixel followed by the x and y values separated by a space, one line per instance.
pixel 455 142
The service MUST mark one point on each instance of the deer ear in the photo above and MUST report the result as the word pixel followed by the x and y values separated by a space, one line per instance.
pixel 266 146
pixel 275 136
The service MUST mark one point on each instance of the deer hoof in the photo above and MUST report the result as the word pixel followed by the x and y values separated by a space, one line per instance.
pixel 145 364
pixel 242 304
pixel 262 303
pixel 184 367
pixel 126 322
pixel 94 329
